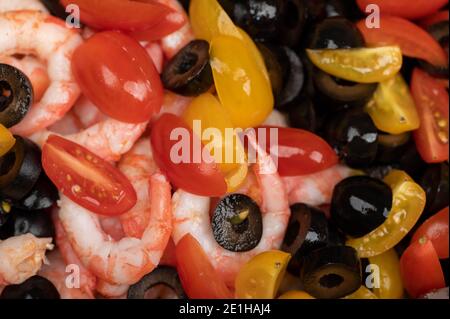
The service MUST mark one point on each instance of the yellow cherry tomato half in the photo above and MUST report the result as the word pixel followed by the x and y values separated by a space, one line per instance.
pixel 361 65
pixel 7 140
pixel 362 293
pixel 408 203
pixel 261 277
pixel 242 85
pixel 390 283
pixel 392 107
pixel 296 294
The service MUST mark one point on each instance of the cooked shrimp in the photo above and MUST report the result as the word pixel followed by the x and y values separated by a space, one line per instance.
pixel 125 261
pixel 57 272
pixel 69 124
pixel 21 257
pixel 35 70
pixel 155 52
pixel 191 216
pixel 174 104
pixel 175 41
pixel 315 189
pixel 112 291
pixel 47 38
pixel 16 5
pixel 87 113
pixel 87 280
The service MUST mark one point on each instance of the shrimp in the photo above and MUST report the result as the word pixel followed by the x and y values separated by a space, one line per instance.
pixel 156 53
pixel 69 124
pixel 16 5
pixel 46 37
pixel 126 261
pixel 21 257
pixel 35 70
pixel 57 272
pixel 191 216
pixel 174 42
pixel 315 189
pixel 109 290
pixel 86 111
pixel 174 104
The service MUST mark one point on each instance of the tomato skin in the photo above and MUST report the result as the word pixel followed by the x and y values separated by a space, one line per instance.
pixel 435 229
pixel 300 152
pixel 203 179
pixel 118 76
pixel 123 15
pixel 435 18
pixel 412 39
pixel 198 277
pixel 420 268
pixel 432 101
pixel 404 8
pixel 87 179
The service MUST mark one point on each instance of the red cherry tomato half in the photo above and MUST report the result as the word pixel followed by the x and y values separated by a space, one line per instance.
pixel 431 100
pixel 118 76
pixel 404 8
pixel 87 179
pixel 124 15
pixel 435 229
pixel 179 154
pixel 413 40
pixel 299 152
pixel 198 277
pixel 420 268
pixel 435 18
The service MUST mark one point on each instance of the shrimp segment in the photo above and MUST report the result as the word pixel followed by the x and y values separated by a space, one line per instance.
pixel 46 37
pixel 126 261
pixel 191 216
pixel 16 5
pixel 21 257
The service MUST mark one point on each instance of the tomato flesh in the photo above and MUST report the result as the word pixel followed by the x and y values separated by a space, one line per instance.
pixel 436 229
pixel 431 100
pixel 404 8
pixel 118 76
pixel 420 268
pixel 413 40
pixel 87 179
pixel 198 277
pixel 180 154
pixel 299 152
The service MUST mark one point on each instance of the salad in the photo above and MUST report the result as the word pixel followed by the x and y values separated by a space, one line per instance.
pixel 221 149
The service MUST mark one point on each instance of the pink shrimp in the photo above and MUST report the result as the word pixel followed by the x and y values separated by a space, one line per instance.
pixel 16 5
pixel 175 41
pixel 126 261
pixel 21 257
pixel 69 124
pixel 315 189
pixel 57 272
pixel 46 37
pixel 155 52
pixel 174 104
pixel 112 291
pixel 191 216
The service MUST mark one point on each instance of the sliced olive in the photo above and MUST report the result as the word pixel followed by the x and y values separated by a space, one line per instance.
pixel 302 114
pixel 294 77
pixel 20 169
pixel 5 210
pixel 307 231
pixel 55 8
pixel 435 183
pixel 38 223
pixel 292 22
pixel 340 90
pixel 343 8
pixel 237 223
pixel 440 32
pixel 43 195
pixel 163 275
pixel 315 10
pixel 35 287
pixel 391 147
pixel 354 136
pixel 445 269
pixel 335 236
pixel 189 72
pixel 360 204
pixel 331 272
pixel 16 95
pixel 273 67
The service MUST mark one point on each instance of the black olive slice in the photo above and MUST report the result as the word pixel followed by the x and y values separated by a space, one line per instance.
pixel 273 67
pixel 36 287
pixel 43 195
pixel 20 169
pixel 440 32
pixel 335 90
pixel 336 33
pixel 292 22
pixel 259 18
pixel 302 114
pixel 360 204
pixel 294 78
pixel 38 223
pixel 16 95
pixel 331 272
pixel 435 182
pixel 189 72
pixel 237 223
pixel 162 275
pixel 298 226
pixel 55 8
pixel 5 210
